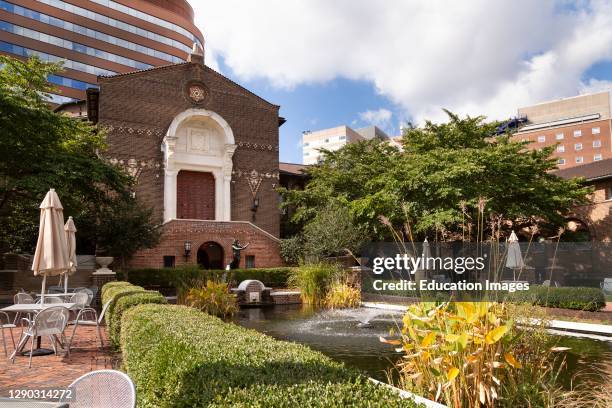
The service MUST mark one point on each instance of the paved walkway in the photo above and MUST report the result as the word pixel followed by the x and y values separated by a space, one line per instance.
pixel 57 371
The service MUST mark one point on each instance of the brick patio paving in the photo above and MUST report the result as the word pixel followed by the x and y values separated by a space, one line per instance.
pixel 57 371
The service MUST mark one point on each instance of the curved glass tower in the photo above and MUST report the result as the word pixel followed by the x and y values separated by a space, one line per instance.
pixel 97 37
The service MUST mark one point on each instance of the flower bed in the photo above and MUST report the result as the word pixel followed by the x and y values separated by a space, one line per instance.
pixel 180 357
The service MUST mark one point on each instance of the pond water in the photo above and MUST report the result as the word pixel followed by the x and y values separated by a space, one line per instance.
pixel 351 336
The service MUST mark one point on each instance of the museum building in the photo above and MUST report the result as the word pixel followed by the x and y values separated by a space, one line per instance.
pixel 204 153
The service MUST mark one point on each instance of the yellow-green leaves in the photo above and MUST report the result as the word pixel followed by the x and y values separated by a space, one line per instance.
pixel 512 361
pixel 496 334
pixel 452 373
pixel 428 339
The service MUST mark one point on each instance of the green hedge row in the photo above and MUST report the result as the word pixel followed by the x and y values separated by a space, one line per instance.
pixel 122 296
pixel 181 277
pixel 576 298
pixel 125 302
pixel 180 357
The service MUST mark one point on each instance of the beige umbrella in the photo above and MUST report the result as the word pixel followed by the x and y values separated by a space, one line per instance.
pixel 51 256
pixel 514 260
pixel 70 230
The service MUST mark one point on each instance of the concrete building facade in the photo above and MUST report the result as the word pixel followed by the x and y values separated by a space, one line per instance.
pixel 333 139
pixel 97 37
pixel 578 127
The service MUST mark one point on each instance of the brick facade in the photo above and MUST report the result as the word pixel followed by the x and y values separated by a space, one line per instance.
pixel 136 110
pixel 597 215
pixel 262 245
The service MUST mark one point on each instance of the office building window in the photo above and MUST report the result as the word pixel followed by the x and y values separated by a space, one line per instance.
pixel 578 146
pixel 305 144
pixel 595 130
pixel 541 139
pixel 306 153
pixel 577 133
pixel 597 157
pixel 342 137
pixel 596 143
pixel 561 162
pixel 169 261
pixel 559 136
pixel 326 140
pixel 579 159
pixel 561 149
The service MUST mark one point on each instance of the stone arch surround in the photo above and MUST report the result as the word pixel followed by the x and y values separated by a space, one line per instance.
pixel 199 140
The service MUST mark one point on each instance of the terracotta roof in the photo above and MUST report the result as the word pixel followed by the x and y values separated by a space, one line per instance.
pixel 592 171
pixel 292 168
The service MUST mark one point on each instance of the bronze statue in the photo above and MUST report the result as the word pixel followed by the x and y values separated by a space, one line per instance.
pixel 236 248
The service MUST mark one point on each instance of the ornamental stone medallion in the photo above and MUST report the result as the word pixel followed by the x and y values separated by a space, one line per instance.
pixel 196 92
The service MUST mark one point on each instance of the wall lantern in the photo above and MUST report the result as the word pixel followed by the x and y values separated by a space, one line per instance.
pixel 187 247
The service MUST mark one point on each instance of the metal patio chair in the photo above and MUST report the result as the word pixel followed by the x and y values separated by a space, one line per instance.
pixel 9 326
pixel 103 389
pixel 21 298
pixel 49 322
pixel 85 315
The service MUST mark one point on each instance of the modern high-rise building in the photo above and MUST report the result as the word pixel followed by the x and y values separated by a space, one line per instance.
pixel 97 37
pixel 579 127
pixel 334 139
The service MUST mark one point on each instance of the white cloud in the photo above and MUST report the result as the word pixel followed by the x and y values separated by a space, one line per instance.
pixel 380 117
pixel 471 57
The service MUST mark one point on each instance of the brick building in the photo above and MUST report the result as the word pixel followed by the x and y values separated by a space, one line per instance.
pixel 578 126
pixel 204 152
pixel 596 216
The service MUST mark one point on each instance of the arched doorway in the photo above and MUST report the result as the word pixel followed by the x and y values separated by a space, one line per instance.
pixel 210 255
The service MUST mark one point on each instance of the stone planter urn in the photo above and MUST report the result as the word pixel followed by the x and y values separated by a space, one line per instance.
pixel 104 261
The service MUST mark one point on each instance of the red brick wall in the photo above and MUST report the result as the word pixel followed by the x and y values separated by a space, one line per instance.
pixel 263 246
pixel 137 109
pixel 195 195
pixel 598 214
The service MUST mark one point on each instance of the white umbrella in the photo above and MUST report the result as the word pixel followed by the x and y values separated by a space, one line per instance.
pixel 70 230
pixel 51 256
pixel 514 259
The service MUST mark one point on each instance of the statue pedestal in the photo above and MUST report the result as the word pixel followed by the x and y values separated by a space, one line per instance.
pixel 102 275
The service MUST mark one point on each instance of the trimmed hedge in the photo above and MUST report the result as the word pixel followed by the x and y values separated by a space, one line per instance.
pixel 180 357
pixel 179 277
pixel 122 304
pixel 576 298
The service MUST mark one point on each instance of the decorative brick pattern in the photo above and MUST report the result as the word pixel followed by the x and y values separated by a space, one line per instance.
pixel 136 109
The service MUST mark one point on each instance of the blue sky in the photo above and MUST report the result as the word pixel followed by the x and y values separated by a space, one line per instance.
pixel 361 62
pixel 319 106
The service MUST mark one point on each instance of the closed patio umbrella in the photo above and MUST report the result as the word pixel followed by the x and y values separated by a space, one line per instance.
pixel 514 259
pixel 70 230
pixel 51 255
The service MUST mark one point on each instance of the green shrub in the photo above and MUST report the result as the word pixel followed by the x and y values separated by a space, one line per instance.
pixel 213 298
pixel 576 298
pixel 111 285
pixel 313 280
pixel 122 304
pixel 182 278
pixel 292 250
pixel 113 291
pixel 180 357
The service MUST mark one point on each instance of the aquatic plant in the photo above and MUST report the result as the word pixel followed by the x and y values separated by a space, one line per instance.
pixel 213 298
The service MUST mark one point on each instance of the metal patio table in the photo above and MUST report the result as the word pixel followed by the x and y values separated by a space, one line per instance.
pixel 35 308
